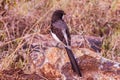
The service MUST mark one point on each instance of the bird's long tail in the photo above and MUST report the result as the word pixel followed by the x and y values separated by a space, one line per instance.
pixel 73 62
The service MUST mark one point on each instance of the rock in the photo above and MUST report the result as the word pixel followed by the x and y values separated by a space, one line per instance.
pixel 51 62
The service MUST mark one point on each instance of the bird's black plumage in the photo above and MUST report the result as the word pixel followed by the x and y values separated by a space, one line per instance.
pixel 60 31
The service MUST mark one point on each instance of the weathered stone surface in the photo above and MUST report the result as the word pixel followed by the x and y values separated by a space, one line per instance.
pixel 57 65
pixel 51 62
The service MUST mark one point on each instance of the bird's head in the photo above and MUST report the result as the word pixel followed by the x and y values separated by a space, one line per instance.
pixel 57 15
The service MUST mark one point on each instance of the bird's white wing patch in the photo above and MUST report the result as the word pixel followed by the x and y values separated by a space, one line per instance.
pixel 55 37
pixel 65 36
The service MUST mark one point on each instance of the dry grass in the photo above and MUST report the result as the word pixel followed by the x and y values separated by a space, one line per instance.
pixel 20 19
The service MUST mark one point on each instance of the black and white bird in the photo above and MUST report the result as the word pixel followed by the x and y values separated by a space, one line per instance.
pixel 60 33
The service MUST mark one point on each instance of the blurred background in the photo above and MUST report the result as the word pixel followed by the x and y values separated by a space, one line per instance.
pixel 21 18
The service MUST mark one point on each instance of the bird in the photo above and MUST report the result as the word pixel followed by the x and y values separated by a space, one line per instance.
pixel 60 32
